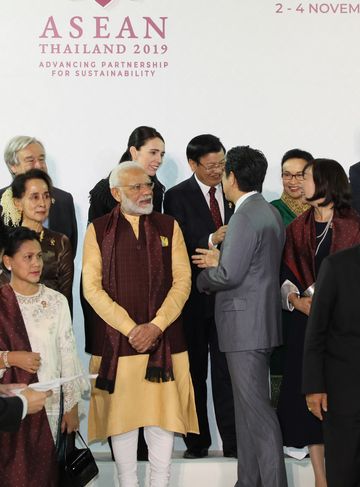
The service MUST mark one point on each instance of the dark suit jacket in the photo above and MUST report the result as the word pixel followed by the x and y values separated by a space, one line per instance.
pixel 332 342
pixel 186 203
pixel 354 174
pixel 11 409
pixel 62 217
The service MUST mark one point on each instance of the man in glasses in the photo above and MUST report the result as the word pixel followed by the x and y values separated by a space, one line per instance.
pixel 136 277
pixel 200 207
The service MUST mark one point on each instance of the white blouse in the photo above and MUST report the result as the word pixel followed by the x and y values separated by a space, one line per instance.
pixel 47 320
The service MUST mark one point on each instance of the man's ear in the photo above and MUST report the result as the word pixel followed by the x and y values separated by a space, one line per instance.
pixel 232 179
pixel 193 164
pixel 116 194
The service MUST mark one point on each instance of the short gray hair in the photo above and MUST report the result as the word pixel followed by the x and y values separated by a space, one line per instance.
pixel 14 145
pixel 117 173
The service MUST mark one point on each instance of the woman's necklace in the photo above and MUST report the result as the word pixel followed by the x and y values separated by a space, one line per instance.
pixel 323 234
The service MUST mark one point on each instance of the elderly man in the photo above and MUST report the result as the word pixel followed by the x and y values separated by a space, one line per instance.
pixel 23 153
pixel 136 276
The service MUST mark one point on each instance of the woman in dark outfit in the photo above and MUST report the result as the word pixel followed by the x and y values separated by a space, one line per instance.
pixel 147 147
pixel 327 227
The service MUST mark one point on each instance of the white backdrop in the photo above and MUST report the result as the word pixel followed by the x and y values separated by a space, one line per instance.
pixel 272 75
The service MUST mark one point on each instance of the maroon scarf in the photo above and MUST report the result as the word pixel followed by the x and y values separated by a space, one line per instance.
pixel 27 457
pixel 300 246
pixel 159 368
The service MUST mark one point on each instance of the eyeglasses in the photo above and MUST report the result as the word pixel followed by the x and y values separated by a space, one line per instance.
pixel 136 188
pixel 213 167
pixel 287 176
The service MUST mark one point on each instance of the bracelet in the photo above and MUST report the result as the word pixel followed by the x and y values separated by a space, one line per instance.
pixel 4 356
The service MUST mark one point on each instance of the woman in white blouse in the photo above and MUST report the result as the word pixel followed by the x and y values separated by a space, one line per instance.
pixel 37 344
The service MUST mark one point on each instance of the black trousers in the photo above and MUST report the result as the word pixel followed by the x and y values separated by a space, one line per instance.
pixel 342 449
pixel 201 339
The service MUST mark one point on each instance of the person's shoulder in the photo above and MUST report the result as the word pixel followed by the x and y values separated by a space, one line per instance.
pixel 345 257
pixel 62 194
pixel 162 217
pixel 355 168
pixel 100 186
pixel 185 185
pixel 276 203
pixel 53 297
pixel 2 190
pixel 57 236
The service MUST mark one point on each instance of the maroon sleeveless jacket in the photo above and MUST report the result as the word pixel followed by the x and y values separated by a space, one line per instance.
pixel 134 267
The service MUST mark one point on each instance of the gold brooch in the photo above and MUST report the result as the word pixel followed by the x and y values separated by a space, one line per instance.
pixel 52 242
pixel 164 241
pixel 43 304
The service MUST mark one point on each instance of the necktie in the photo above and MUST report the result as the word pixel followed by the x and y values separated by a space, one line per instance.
pixel 214 208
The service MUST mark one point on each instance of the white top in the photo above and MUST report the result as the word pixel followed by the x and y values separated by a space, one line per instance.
pixel 47 320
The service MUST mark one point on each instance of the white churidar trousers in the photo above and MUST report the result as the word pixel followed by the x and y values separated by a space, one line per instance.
pixel 160 445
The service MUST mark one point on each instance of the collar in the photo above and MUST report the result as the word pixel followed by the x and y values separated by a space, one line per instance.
pixel 205 188
pixel 242 198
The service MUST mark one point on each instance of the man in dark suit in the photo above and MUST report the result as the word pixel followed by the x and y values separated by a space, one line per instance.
pixel 199 206
pixel 245 278
pixel 14 409
pixel 354 175
pixel 331 367
pixel 23 153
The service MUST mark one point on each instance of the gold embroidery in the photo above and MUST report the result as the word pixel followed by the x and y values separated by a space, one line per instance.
pixel 296 205
pixel 164 241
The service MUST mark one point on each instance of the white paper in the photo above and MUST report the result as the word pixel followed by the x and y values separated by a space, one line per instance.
pixel 52 384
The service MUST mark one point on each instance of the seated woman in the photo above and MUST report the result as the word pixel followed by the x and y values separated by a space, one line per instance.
pixel 28 205
pixel 327 227
pixel 145 146
pixel 37 344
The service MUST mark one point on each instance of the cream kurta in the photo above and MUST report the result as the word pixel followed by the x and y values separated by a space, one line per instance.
pixel 137 402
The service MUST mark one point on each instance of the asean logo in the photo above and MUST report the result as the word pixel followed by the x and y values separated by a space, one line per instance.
pixel 103 3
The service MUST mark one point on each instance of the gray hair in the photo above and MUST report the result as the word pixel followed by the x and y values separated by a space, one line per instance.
pixel 14 146
pixel 117 173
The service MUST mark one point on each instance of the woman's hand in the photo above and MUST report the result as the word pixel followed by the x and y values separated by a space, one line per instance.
pixel 317 403
pixel 70 420
pixel 300 304
pixel 29 361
